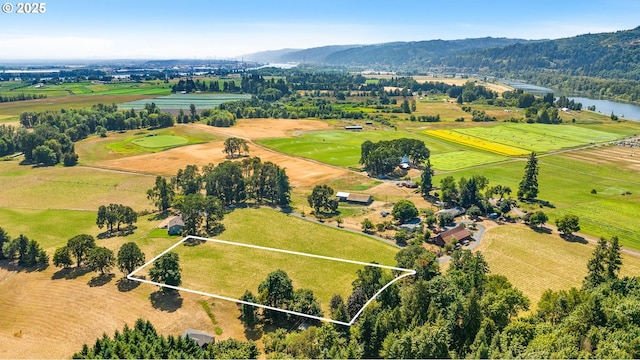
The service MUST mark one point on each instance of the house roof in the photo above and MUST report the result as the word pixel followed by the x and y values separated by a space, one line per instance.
pixel 201 337
pixel 176 220
pixel 458 233
pixel 342 194
pixel 359 198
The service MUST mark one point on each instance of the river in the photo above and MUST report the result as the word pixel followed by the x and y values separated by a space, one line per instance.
pixel 623 110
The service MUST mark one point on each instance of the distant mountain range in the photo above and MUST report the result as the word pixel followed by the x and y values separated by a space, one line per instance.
pixel 608 55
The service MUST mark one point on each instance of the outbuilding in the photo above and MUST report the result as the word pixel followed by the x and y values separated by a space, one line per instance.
pixel 202 338
pixel 353 127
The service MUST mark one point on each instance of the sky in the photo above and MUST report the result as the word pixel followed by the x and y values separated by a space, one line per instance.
pixel 221 29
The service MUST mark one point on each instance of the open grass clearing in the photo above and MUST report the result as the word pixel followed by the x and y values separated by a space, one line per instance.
pixel 534 262
pixel 117 145
pixel 232 268
pixel 70 188
pixel 341 147
pixel 160 141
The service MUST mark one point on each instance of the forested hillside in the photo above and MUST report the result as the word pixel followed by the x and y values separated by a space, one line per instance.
pixel 605 55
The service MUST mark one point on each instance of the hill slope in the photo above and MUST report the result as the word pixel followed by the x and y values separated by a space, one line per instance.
pixel 607 55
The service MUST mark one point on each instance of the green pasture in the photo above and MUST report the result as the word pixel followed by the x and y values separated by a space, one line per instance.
pixel 230 270
pixel 567 184
pixel 160 141
pixel 341 147
pixel 456 160
pixel 51 228
pixel 86 88
pixel 291 233
pixel 539 137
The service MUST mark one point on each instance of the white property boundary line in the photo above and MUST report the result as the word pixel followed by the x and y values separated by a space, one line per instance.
pixel 407 272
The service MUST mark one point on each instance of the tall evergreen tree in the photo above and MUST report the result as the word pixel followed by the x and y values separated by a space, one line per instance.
pixel 427 179
pixel 528 188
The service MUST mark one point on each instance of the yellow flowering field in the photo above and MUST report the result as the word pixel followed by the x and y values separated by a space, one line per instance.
pixel 476 142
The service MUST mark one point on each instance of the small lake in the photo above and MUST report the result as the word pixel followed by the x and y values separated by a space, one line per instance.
pixel 183 101
pixel 628 111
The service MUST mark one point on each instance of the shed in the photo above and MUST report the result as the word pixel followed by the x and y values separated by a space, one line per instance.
pixel 459 233
pixel 353 127
pixel 342 196
pixel 175 225
pixel 202 338
pixel 362 199
pixel 404 163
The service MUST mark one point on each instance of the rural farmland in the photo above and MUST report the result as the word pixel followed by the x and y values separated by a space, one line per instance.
pixel 318 202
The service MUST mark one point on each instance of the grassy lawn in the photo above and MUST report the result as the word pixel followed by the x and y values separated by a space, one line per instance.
pixel 339 147
pixel 567 184
pixel 534 262
pixel 230 270
pixel 160 141
pixel 135 142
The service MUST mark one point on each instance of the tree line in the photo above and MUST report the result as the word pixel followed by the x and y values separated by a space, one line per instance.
pixel 143 342
pixel 47 137
pixel 21 97
pixel 466 312
pixel 25 252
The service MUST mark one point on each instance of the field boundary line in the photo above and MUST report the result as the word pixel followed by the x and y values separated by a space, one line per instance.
pixel 406 272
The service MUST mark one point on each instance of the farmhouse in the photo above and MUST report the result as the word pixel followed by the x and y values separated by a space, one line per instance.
pixel 459 233
pixel 201 337
pixel 175 225
pixel 360 199
pixel 353 127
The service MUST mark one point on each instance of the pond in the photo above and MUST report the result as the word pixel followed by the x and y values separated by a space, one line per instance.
pixel 183 101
